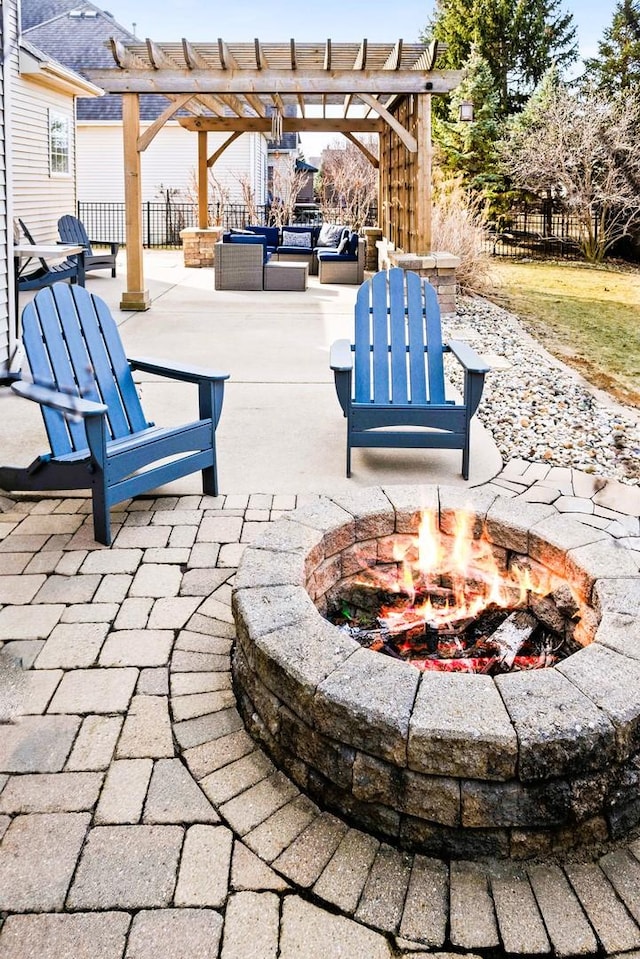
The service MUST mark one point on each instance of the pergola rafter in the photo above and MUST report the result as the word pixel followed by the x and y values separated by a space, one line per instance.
pixel 233 88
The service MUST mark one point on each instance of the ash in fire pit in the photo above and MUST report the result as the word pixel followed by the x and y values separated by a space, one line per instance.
pixel 445 605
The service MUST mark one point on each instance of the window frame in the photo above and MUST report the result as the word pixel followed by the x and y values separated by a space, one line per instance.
pixel 59 155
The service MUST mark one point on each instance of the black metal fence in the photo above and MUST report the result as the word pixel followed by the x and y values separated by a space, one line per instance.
pixel 162 221
pixel 535 232
pixel 540 232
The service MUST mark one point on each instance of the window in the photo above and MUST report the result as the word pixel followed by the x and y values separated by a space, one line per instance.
pixel 59 142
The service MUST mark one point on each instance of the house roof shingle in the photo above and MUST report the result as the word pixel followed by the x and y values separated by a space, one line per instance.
pixel 81 43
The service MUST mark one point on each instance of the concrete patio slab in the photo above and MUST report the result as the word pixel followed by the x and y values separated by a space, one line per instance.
pixel 282 430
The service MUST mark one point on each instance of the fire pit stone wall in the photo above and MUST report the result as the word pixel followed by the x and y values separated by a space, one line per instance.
pixel 517 765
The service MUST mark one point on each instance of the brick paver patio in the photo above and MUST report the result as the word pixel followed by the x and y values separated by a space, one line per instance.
pixel 138 818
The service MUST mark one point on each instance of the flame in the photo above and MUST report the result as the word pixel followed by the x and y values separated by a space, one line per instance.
pixel 455 578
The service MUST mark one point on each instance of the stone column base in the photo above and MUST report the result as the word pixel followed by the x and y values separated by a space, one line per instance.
pixel 198 246
pixel 135 300
pixel 372 235
pixel 438 268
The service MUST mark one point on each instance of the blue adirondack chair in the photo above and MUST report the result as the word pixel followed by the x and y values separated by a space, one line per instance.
pixel 100 438
pixel 72 268
pixel 72 230
pixel 393 374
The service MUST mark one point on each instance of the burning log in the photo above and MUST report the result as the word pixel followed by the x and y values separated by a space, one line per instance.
pixel 511 636
pixel 457 607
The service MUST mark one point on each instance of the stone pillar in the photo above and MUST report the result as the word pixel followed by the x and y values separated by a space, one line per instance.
pixel 438 268
pixel 198 246
pixel 372 235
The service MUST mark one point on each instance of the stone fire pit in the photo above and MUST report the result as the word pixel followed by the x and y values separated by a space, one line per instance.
pixel 455 764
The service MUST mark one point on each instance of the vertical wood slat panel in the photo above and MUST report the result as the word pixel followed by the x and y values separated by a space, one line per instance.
pixel 417 339
pixel 362 342
pixel 380 338
pixel 434 344
pixel 398 338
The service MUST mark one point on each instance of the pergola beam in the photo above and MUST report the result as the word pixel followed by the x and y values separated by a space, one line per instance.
pixel 145 139
pixel 229 62
pixel 289 124
pixel 267 82
pixel 408 140
pixel 394 82
pixel 195 61
pixel 373 160
pixel 227 143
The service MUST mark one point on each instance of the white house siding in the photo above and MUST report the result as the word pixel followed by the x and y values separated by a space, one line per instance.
pixel 39 197
pixel 8 36
pixel 169 162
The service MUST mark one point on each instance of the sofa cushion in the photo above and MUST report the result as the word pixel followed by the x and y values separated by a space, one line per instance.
pixel 330 234
pixel 271 234
pixel 352 246
pixel 343 245
pixel 334 257
pixel 253 240
pixel 296 238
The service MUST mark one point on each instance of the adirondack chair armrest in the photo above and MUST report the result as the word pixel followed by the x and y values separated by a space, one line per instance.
pixel 341 356
pixel 341 362
pixel 63 402
pixel 176 371
pixel 113 247
pixel 467 357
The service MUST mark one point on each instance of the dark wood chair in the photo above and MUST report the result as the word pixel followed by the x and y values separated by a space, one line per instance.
pixel 100 438
pixel 393 373
pixel 72 230
pixel 71 269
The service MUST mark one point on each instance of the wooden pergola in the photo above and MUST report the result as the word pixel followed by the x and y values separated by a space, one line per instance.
pixel 234 88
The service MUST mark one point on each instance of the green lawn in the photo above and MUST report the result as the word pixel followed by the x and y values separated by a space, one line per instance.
pixel 587 316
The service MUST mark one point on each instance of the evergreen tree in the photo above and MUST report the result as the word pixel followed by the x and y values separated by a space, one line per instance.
pixel 617 66
pixel 467 150
pixel 519 39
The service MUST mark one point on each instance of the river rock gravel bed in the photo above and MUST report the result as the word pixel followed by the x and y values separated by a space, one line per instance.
pixel 537 408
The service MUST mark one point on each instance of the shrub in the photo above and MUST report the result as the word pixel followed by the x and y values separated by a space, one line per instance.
pixel 458 227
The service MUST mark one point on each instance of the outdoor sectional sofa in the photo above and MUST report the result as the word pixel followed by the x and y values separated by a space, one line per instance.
pixel 300 243
pixel 344 265
pixel 243 262
pixel 258 257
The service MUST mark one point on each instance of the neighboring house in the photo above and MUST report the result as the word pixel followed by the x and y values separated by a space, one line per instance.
pixel 284 152
pixel 76 33
pixel 43 148
pixel 8 64
pixel 306 192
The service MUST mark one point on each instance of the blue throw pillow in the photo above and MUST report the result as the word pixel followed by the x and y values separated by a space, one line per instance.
pixel 353 243
pixel 296 238
pixel 343 245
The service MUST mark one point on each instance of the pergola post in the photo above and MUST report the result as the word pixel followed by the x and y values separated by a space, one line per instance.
pixel 135 297
pixel 423 174
pixel 203 184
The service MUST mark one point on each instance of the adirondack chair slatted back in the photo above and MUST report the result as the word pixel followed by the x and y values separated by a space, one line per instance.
pixel 30 239
pixel 72 344
pixel 72 230
pixel 397 321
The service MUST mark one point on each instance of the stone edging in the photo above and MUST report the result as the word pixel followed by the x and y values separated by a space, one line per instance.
pixel 529 759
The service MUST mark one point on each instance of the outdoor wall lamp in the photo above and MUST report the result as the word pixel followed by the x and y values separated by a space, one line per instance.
pixel 465 114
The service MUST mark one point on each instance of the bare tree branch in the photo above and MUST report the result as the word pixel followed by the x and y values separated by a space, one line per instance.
pixel 583 151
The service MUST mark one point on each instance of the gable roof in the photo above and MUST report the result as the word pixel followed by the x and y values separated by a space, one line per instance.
pixel 42 68
pixel 76 34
